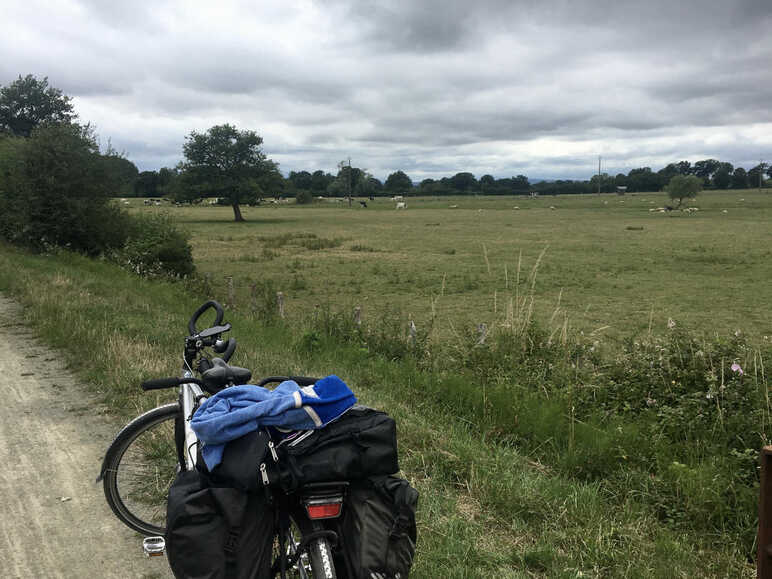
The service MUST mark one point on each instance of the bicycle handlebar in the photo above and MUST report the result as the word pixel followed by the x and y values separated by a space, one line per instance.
pixel 219 313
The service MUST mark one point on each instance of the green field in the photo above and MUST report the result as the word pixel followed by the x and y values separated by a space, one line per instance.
pixel 610 264
pixel 536 453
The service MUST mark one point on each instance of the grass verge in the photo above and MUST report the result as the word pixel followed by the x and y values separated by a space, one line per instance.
pixel 486 509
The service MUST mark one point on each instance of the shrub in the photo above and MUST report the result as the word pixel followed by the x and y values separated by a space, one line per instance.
pixel 304 197
pixel 156 248
pixel 55 193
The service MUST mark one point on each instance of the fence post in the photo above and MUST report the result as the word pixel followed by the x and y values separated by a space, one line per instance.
pixel 280 302
pixel 358 315
pixel 482 333
pixel 413 333
pixel 764 555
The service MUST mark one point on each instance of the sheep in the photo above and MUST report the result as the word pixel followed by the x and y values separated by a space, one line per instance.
pixel 401 205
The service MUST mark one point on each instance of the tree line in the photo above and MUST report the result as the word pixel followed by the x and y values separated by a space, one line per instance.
pixel 57 187
pixel 229 164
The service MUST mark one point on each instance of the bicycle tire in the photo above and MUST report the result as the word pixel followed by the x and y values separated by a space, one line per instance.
pixel 317 562
pixel 140 465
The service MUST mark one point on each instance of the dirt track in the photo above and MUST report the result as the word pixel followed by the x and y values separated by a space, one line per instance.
pixel 54 521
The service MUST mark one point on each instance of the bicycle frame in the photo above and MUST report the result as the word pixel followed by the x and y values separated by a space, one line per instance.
pixel 190 393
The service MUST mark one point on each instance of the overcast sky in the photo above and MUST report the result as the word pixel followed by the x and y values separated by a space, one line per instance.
pixel 429 87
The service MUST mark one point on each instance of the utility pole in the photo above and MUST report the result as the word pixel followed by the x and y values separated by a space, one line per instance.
pixel 598 174
pixel 348 187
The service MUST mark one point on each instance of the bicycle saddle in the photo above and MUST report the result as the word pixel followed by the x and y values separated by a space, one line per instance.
pixel 221 375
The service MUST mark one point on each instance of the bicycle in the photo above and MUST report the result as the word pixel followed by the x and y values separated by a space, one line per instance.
pixel 146 455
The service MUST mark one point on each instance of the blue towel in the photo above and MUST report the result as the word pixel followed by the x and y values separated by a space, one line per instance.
pixel 236 411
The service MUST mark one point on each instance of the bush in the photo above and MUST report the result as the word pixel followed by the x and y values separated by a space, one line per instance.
pixel 55 193
pixel 304 197
pixel 156 248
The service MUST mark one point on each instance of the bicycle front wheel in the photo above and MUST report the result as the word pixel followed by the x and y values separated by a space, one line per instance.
pixel 141 464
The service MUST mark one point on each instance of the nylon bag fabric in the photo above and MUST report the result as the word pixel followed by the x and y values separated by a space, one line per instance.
pixel 379 528
pixel 217 532
pixel 359 444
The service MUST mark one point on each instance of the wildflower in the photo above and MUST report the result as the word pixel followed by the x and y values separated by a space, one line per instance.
pixel 737 369
pixel 670 323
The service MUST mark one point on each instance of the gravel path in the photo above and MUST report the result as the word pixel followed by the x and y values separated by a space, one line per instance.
pixel 54 521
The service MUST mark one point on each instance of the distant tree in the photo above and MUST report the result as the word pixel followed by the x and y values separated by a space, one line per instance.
pixel 375 186
pixel 225 162
pixel 464 182
pixel 351 181
pixel 704 169
pixel 121 172
pixel 300 180
pixel 28 102
pixel 146 184
pixel 398 182
pixel 684 187
pixel 756 175
pixel 304 197
pixel 320 181
pixel 739 179
pixel 643 179
pixel 722 178
pixel 520 184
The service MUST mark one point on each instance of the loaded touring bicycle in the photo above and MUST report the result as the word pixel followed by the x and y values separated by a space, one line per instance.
pixel 242 481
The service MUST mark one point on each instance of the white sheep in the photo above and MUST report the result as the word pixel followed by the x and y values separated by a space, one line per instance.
pixel 401 205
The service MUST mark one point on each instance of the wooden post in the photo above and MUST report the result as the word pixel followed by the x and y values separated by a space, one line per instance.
pixel 764 555
pixel 280 302
pixel 358 315
pixel 482 332
pixel 231 293
pixel 413 333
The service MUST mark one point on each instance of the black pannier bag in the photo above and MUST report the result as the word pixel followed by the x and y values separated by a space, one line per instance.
pixel 360 443
pixel 217 532
pixel 378 528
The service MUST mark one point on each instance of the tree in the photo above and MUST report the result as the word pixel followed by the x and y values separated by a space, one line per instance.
pixel 722 177
pixel 225 162
pixel 398 182
pixel 464 182
pixel 684 187
pixel 739 179
pixel 121 172
pixel 55 193
pixel 147 184
pixel 27 103
pixel 756 175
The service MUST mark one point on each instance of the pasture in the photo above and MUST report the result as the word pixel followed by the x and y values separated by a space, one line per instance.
pixel 611 266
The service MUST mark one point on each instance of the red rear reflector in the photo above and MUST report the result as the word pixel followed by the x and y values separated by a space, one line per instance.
pixel 326 511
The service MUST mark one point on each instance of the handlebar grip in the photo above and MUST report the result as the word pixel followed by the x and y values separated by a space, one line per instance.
pixel 229 349
pixel 161 383
pixel 205 306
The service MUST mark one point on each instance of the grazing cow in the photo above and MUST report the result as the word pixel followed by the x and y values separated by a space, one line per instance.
pixel 401 205
pixel 397 198
pixel 363 203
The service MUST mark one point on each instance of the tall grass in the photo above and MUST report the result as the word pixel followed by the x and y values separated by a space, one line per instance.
pixel 533 458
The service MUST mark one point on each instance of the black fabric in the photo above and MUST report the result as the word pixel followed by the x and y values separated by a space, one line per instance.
pixel 379 528
pixel 240 465
pixel 217 532
pixel 361 443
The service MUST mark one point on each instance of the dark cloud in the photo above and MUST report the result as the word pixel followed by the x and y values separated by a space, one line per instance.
pixel 432 87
